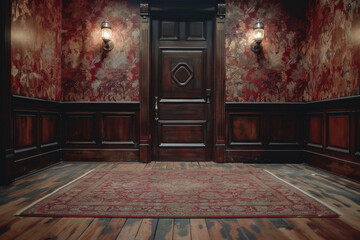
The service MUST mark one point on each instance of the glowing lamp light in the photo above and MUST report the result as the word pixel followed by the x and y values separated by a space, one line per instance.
pixel 259 34
pixel 106 33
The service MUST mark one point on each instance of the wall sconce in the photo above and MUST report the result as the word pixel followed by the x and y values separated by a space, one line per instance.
pixel 106 33
pixel 258 36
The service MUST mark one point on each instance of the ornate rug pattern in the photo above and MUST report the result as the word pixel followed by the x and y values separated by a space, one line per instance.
pixel 178 194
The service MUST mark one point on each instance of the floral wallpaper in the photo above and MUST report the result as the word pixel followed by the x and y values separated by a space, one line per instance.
pixel 36 48
pixel 274 75
pixel 57 54
pixel 88 72
pixel 331 52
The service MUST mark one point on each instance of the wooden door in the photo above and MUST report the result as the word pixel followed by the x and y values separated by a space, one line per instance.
pixel 182 88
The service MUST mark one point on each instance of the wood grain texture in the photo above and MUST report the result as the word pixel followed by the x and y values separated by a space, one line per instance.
pixel 80 128
pixel 25 124
pixel 315 130
pixel 339 193
pixel 181 86
pixel 119 128
pixel 50 126
pixel 340 136
pixel 338 132
pixel 283 129
pixel 244 129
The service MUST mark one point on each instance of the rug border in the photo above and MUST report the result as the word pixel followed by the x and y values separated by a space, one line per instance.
pixel 335 215
pixel 306 193
pixel 19 213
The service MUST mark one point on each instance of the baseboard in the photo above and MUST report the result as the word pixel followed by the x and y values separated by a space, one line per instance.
pixel 27 165
pixel 100 155
pixel 338 166
pixel 264 156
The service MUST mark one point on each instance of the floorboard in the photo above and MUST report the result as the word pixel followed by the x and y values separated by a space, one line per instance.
pixel 339 193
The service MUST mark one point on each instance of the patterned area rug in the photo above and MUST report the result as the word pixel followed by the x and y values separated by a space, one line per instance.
pixel 178 194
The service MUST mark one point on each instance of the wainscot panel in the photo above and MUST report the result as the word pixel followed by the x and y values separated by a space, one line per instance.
pixel 332 139
pixel 35 135
pixel 100 132
pixel 264 132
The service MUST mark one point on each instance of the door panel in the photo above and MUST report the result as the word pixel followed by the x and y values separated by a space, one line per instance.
pixel 181 89
pixel 182 75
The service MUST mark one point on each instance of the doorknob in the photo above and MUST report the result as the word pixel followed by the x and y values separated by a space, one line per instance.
pixel 208 95
pixel 156 109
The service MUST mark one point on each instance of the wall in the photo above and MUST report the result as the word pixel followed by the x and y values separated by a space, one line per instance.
pixel 273 75
pixel 88 72
pixel 36 48
pixel 331 59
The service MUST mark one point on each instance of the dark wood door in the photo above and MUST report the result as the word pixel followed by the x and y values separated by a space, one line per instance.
pixel 182 87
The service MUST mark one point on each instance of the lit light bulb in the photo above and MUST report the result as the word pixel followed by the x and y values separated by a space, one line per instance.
pixel 106 34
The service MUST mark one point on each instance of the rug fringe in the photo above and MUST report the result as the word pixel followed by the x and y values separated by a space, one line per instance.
pixel 306 193
pixel 48 195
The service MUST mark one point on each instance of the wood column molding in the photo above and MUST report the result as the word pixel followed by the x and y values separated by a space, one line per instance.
pixel 144 78
pixel 219 73
pixel 5 100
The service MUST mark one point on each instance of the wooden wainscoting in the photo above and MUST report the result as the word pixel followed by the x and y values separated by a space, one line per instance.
pixel 333 135
pixel 35 135
pixel 100 132
pixel 264 132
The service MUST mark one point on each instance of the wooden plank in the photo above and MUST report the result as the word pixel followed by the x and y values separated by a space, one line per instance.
pixel 182 229
pixel 165 229
pixel 198 229
pixel 216 230
pixel 40 230
pixel 19 227
pixel 232 228
pixel 103 228
pixel 130 229
pixel 147 229
pixel 68 228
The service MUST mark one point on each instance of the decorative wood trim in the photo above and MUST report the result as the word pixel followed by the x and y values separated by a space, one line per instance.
pixel 307 126
pixel 144 78
pixel 100 155
pixel 5 90
pixel 356 123
pixel 339 166
pixel 231 128
pixel 264 156
pixel 56 129
pixel 338 148
pixel 219 86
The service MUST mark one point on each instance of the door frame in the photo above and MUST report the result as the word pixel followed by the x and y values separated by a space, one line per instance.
pixel 145 82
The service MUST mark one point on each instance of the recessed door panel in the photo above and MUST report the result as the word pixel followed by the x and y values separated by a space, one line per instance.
pixel 182 74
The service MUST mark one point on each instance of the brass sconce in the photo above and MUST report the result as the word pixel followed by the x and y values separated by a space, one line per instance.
pixel 106 33
pixel 258 37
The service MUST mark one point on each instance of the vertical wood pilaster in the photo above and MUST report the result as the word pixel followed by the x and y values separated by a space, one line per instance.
pixel 219 73
pixel 5 96
pixel 144 78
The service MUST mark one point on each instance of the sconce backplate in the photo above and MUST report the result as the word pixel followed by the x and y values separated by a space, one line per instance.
pixel 256 46
pixel 108 46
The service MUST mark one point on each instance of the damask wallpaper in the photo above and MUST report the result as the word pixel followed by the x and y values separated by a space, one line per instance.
pixel 57 54
pixel 331 52
pixel 88 72
pixel 36 48
pixel 273 75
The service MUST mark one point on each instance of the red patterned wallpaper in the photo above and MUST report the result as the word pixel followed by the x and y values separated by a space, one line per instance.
pixel 274 75
pixel 88 72
pixel 331 51
pixel 36 48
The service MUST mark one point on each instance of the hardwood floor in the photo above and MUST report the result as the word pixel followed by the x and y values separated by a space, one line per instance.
pixel 340 193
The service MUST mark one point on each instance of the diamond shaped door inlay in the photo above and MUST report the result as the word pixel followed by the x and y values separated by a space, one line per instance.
pixel 182 74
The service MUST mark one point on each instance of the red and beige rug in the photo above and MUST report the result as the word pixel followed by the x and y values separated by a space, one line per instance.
pixel 178 194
